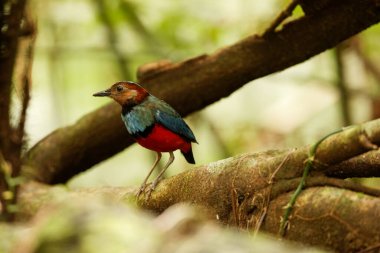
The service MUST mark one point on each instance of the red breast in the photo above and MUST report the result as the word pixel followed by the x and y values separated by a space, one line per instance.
pixel 163 140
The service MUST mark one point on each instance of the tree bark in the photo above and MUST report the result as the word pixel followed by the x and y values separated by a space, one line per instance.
pixel 10 23
pixel 238 192
pixel 251 191
pixel 11 15
pixel 193 84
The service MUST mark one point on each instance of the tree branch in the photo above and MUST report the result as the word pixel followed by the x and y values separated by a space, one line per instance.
pixel 122 60
pixel 280 18
pixel 193 84
pixel 342 85
pixel 11 14
pixel 251 190
pixel 237 192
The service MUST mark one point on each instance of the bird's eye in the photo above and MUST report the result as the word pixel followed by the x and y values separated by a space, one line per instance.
pixel 119 88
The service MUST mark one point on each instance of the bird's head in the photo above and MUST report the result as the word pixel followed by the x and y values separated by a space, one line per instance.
pixel 125 93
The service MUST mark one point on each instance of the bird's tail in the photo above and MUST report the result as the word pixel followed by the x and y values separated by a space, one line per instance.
pixel 188 156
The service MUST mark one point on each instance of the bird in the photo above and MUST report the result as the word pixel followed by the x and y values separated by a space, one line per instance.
pixel 153 124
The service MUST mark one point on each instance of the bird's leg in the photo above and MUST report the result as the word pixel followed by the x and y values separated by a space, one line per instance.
pixel 158 178
pixel 143 185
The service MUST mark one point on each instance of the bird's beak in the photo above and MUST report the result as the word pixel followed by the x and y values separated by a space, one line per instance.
pixel 105 93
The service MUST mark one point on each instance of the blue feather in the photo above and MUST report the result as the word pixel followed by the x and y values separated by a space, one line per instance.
pixel 141 118
pixel 175 124
pixel 138 121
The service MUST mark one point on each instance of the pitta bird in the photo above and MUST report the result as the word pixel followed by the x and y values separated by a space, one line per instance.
pixel 153 123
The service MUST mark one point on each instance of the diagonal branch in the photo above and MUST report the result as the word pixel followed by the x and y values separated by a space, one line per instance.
pixel 193 84
pixel 342 85
pixel 122 61
pixel 280 18
pixel 239 190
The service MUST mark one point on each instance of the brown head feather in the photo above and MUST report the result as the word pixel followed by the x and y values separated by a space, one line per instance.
pixel 127 93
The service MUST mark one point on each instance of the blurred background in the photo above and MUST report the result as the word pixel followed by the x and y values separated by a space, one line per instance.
pixel 84 46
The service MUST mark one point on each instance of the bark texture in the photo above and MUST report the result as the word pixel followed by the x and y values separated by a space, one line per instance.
pixel 323 215
pixel 193 84
pixel 11 13
pixel 250 191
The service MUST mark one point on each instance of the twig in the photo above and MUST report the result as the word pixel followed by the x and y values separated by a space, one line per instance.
pixel 280 18
pixel 152 42
pixel 201 118
pixel 367 62
pixel 26 86
pixel 271 179
pixel 264 211
pixel 112 39
pixel 308 166
pixel 341 84
pixel 268 196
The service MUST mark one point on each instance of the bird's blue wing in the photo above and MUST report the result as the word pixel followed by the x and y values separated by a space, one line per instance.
pixel 138 121
pixel 175 123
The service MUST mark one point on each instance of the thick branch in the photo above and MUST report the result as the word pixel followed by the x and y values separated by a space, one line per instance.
pixel 364 165
pixel 11 15
pixel 10 19
pixel 251 190
pixel 328 217
pixel 198 82
pixel 241 196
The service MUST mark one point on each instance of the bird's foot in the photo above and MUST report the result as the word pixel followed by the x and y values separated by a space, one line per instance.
pixel 141 190
pixel 147 190
pixel 152 187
